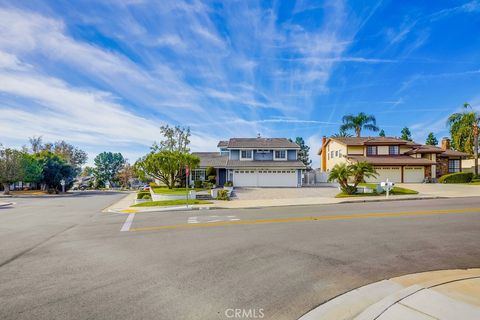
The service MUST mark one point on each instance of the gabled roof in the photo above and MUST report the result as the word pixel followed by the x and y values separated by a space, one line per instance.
pixel 453 153
pixel 211 159
pixel 364 141
pixel 222 144
pixel 261 143
pixel 425 149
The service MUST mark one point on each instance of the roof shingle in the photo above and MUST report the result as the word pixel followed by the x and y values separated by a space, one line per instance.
pixel 262 143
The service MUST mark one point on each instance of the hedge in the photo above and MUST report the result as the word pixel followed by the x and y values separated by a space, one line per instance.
pixel 458 177
pixel 142 194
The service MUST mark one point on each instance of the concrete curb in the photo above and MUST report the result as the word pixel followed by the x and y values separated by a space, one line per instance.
pixel 371 301
pixel 6 204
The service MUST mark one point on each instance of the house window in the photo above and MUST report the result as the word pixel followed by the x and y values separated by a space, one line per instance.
pixel 198 175
pixel 336 153
pixel 453 166
pixel 332 154
pixel 393 150
pixel 280 154
pixel 246 154
pixel 371 150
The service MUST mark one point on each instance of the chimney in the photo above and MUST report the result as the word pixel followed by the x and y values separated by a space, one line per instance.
pixel 324 154
pixel 445 143
pixel 258 136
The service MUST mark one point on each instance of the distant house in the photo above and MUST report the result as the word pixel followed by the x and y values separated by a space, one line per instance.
pixel 393 158
pixel 253 162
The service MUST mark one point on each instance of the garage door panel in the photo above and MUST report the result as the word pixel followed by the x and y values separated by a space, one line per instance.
pixel 265 178
pixel 393 174
pixel 245 178
pixel 413 174
pixel 277 178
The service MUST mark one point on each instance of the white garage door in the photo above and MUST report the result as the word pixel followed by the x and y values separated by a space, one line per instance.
pixel 245 178
pixel 265 178
pixel 277 178
pixel 413 174
pixel 394 174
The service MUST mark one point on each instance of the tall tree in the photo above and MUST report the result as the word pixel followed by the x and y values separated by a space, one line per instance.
pixel 464 131
pixel 406 134
pixel 166 166
pixel 87 171
pixel 359 122
pixel 36 144
pixel 382 133
pixel 55 169
pixel 303 154
pixel 70 153
pixel 175 139
pixel 125 175
pixel 107 166
pixel 431 140
pixel 32 168
pixel 11 168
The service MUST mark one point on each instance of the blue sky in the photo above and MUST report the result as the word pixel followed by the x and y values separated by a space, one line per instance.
pixel 104 75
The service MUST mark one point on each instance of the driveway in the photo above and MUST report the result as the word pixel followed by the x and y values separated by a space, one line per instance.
pixel 285 193
pixel 444 190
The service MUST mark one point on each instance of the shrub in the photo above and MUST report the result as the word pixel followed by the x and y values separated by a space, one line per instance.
pixel 141 194
pixel 228 184
pixel 152 184
pixel 458 177
pixel 211 172
pixel 198 184
pixel 147 197
pixel 207 185
pixel 212 179
pixel 222 195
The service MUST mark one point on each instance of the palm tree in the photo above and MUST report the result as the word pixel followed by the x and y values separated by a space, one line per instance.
pixel 359 122
pixel 362 170
pixel 464 131
pixel 342 134
pixel 341 173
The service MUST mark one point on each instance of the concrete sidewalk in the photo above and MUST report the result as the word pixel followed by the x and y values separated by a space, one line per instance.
pixel 445 294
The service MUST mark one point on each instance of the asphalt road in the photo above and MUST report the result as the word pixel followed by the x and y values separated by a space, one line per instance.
pixel 62 258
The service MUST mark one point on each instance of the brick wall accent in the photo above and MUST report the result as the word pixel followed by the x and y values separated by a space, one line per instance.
pixel 428 171
pixel 442 166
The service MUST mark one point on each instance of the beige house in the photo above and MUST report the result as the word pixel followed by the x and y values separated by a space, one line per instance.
pixel 393 158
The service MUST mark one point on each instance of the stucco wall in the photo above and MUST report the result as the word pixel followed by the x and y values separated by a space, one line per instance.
pixel 292 155
pixel 234 154
pixel 468 165
pixel 335 147
pixel 356 150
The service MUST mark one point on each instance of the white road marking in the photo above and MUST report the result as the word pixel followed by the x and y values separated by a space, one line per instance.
pixel 211 219
pixel 128 223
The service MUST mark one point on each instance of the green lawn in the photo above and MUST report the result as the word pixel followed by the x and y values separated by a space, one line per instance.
pixel 395 191
pixel 170 203
pixel 177 191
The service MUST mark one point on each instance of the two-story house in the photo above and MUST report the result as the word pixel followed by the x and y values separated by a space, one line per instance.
pixel 253 162
pixel 393 158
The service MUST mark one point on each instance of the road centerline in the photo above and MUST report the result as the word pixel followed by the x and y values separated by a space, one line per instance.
pixel 303 219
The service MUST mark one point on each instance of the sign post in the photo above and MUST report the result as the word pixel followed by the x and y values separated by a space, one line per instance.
pixel 62 183
pixel 187 173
